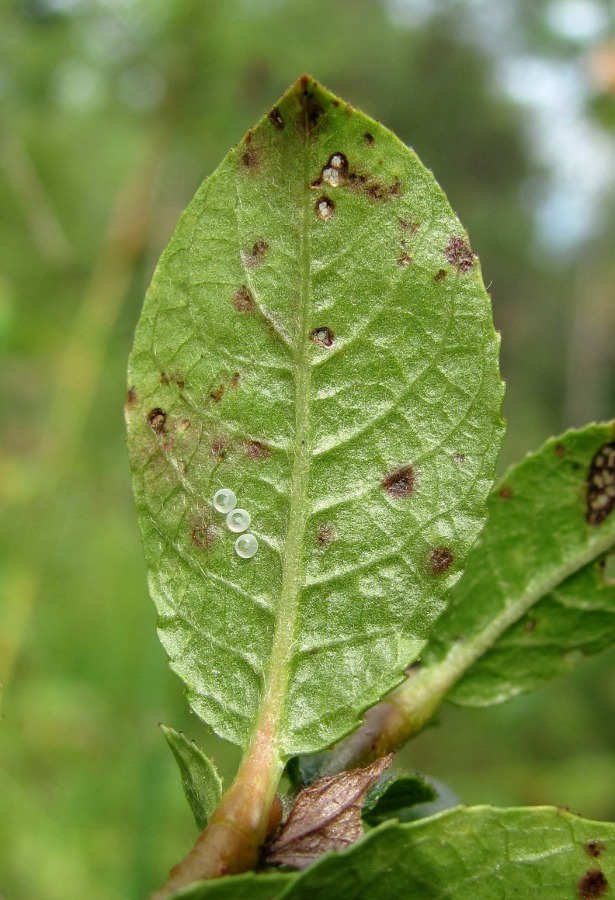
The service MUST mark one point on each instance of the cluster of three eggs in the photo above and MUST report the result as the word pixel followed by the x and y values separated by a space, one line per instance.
pixel 237 520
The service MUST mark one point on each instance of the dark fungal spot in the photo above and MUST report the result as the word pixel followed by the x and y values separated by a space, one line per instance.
pixel 255 255
pixel 256 450
pixel 219 447
pixel 560 450
pixel 440 276
pixel 204 533
pixel 173 378
pixel 593 884
pixel 325 535
pixel 369 138
pixel 404 259
pixel 250 157
pixel 399 484
pixel 243 301
pixel 459 254
pixel 601 486
pixel 530 625
pixel 156 419
pixel 131 397
pixel 275 117
pixel 311 106
pixel 409 225
pixel 323 336
pixel 506 492
pixel 459 458
pixel 324 208
pixel 595 849
pixel 235 381
pixel 441 559
pixel 217 394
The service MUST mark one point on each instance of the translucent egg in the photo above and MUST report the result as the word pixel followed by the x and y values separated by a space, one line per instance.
pixel 238 520
pixel 225 500
pixel 246 546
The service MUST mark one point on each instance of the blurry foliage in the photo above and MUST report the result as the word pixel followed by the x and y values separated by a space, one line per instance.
pixel 113 111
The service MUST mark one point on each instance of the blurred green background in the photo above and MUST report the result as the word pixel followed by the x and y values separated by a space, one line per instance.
pixel 111 113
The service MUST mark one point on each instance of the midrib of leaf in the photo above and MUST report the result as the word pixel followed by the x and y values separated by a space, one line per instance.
pixel 423 693
pixel 277 681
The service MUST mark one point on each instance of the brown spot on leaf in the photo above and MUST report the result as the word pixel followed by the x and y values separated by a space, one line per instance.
pixel 530 625
pixel 325 535
pixel 505 492
pixel 219 446
pixel 324 208
pixel 325 816
pixel 256 255
pixel 400 483
pixel 173 378
pixel 323 336
pixel 394 189
pixel 250 157
pixel 601 485
pixel 156 419
pixel 256 450
pixel 404 259
pixel 595 849
pixel 441 559
pixel 593 884
pixel 235 380
pixel 459 254
pixel 217 394
pixel 311 105
pixel 131 397
pixel 275 117
pixel 370 139
pixel 204 532
pixel 440 276
pixel 459 458
pixel 243 301
pixel 560 450
pixel 409 225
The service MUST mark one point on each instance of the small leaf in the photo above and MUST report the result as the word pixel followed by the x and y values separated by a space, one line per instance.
pixel 394 797
pixel 475 853
pixel 200 780
pixel 316 339
pixel 534 597
pixel 325 816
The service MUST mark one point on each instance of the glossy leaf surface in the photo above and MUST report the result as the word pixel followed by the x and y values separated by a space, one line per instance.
pixel 316 338
pixel 463 854
pixel 535 596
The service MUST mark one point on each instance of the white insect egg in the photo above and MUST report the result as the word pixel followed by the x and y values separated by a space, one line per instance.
pixel 238 520
pixel 246 546
pixel 224 500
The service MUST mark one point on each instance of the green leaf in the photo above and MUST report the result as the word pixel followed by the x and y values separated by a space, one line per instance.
pixel 318 339
pixel 394 797
pixel 461 854
pixel 200 780
pixel 536 595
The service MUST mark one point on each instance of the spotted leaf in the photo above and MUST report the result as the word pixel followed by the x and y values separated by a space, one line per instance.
pixel 317 339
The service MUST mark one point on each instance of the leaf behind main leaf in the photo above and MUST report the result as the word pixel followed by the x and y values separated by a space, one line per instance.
pixel 316 338
pixel 535 596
